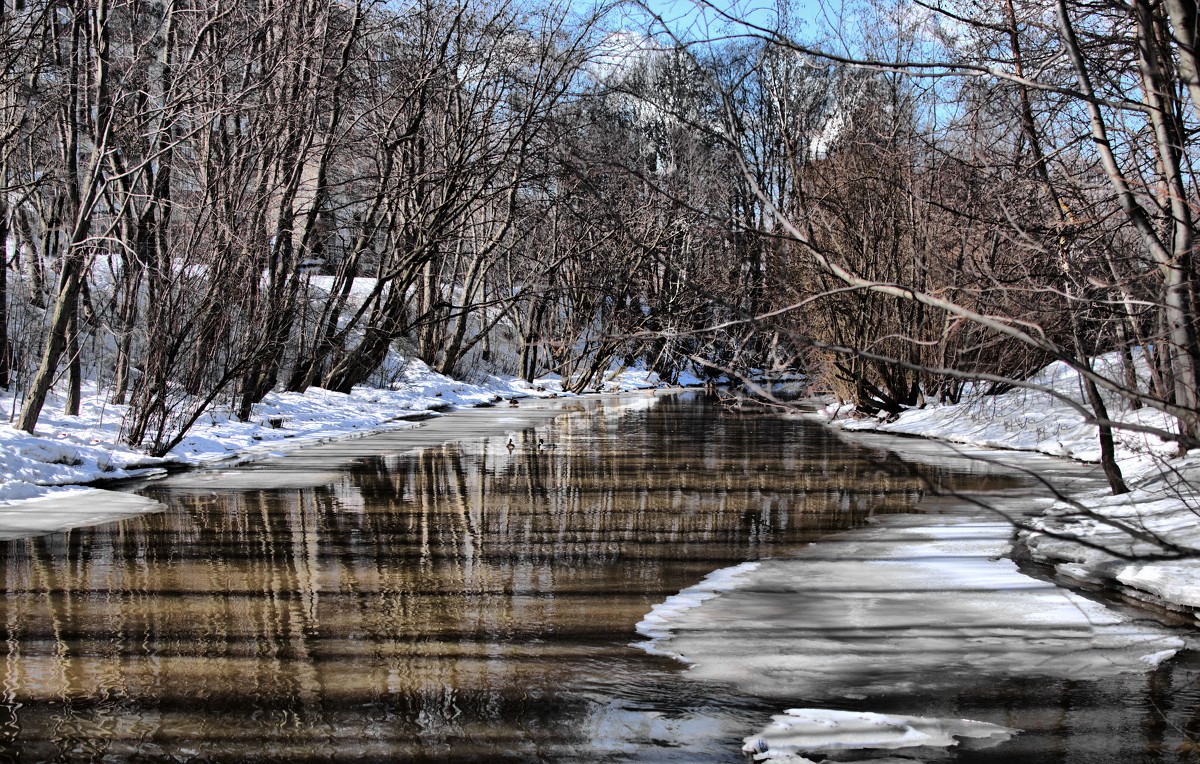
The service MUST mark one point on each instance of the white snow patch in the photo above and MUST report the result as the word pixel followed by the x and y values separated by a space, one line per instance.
pixel 641 378
pixel 1174 583
pixel 1030 420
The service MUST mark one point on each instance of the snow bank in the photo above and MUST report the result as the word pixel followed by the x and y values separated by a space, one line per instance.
pixel 67 451
pixel 1028 420
pixel 641 378
pixel 823 731
pixel 64 453
pixel 1145 544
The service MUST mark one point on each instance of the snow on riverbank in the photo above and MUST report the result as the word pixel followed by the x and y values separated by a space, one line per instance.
pixel 1145 544
pixel 66 451
pixel 1029 420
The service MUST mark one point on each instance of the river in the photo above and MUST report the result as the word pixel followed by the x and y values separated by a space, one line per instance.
pixel 402 598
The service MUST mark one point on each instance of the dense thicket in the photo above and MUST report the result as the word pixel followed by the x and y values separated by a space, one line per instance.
pixel 205 202
pixel 1021 189
pixel 966 190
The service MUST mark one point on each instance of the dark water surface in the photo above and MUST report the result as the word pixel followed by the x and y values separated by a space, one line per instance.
pixel 368 601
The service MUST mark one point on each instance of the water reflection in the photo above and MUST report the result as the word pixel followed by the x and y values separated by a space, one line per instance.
pixel 458 602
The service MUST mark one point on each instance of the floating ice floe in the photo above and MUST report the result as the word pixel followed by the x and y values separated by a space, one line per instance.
pixel 802 731
pixel 917 604
pixel 70 508
pixel 659 621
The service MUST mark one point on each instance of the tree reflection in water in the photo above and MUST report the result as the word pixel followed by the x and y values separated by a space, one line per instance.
pixel 457 602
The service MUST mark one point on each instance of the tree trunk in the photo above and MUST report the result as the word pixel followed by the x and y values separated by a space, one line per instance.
pixel 5 351
pixel 360 362
pixel 125 327
pixel 431 331
pixel 74 364
pixel 56 342
pixel 365 357
pixel 1183 26
pixel 1168 134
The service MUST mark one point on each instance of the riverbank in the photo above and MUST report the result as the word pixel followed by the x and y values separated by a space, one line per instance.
pixel 1145 544
pixel 48 478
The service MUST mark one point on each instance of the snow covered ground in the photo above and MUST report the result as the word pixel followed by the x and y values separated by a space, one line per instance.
pixel 1030 419
pixel 42 474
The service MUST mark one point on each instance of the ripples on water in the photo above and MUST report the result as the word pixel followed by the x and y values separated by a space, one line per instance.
pixel 457 603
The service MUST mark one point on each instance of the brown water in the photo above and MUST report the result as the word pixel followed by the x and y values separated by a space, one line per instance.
pixel 456 603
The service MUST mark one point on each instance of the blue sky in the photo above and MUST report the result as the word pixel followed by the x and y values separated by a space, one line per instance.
pixel 687 13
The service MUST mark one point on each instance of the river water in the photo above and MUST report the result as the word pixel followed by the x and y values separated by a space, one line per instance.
pixel 402 599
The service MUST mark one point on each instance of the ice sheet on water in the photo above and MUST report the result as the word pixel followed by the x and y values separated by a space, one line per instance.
pixel 251 480
pixel 912 605
pixel 802 731
pixel 72 508
pixel 822 731
pixel 658 622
